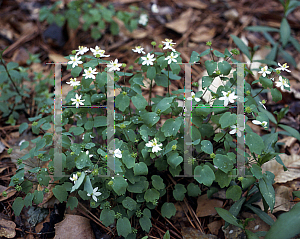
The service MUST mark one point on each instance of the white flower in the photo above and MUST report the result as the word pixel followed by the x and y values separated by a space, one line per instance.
pixel 272 79
pixel 139 50
pixel 99 52
pixel 143 19
pixel 95 194
pixel 228 97
pixel 90 137
pixel 75 60
pixel 236 129
pixel 90 73
pixel 281 83
pixel 81 50
pixel 171 58
pixel 114 66
pixel 264 71
pixel 87 153
pixel 148 59
pixel 263 124
pixel 118 153
pixel 193 97
pixel 74 178
pixel 77 100
pixel 154 8
pixel 283 67
pixel 73 82
pixel 169 44
pixel 155 146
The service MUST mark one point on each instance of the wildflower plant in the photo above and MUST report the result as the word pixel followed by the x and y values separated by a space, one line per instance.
pixel 92 16
pixel 145 150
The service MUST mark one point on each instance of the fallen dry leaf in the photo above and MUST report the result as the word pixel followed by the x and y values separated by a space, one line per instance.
pixel 206 207
pixel 292 162
pixel 57 58
pixel 257 225
pixel 181 24
pixel 192 233
pixel 283 199
pixel 215 226
pixel 203 34
pixel 74 226
pixel 10 192
pixel 7 228
pixel 195 4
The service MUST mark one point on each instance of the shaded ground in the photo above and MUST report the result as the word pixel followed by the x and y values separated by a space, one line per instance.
pixel 190 24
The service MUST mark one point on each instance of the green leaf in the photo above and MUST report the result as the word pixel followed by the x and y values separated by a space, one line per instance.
pixel 287 225
pixel 12 65
pixel 28 200
pixel 223 163
pixel 287 56
pixel 227 119
pixel 151 195
pixel 273 53
pixel 228 217
pixel 76 130
pixel 224 67
pixel 164 104
pixel 251 235
pixel 223 179
pixel 18 206
pixel 285 31
pixel 100 121
pixel 240 44
pixel 78 182
pixel 140 169
pixel 60 193
pixel 256 171
pixel 24 145
pixel 38 197
pixel 210 66
pixel 218 54
pixel 234 192
pixel 290 130
pixel 171 127
pixel 276 95
pixel 194 57
pixel 262 29
pixel 122 102
pixel 295 43
pixel 83 161
pixel 72 202
pixel 207 146
pixel 255 143
pixel 151 72
pixel 266 82
pixel 204 174
pixel 139 101
pixel 76 71
pixel 193 190
pixel 174 159
pixel 235 209
pixel 150 118
pixel 168 210
pixel 128 160
pixel 179 192
pixel 119 185
pixel 123 227
pixel 267 191
pixel 107 217
pixel 129 203
pixel 23 127
pixel 145 223
pixel 206 52
pixel 263 216
pixel 158 182
pixel 206 81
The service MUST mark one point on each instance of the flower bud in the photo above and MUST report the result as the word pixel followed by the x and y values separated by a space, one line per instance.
pixel 208 43
pixel 34 124
pixel 153 43
pixel 212 155
pixel 248 92
pixel 196 84
pixel 174 147
pixel 4 194
pixel 124 93
pixel 124 65
pixel 110 183
pixel 9 150
pixel 160 46
pixel 248 109
pixel 74 52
